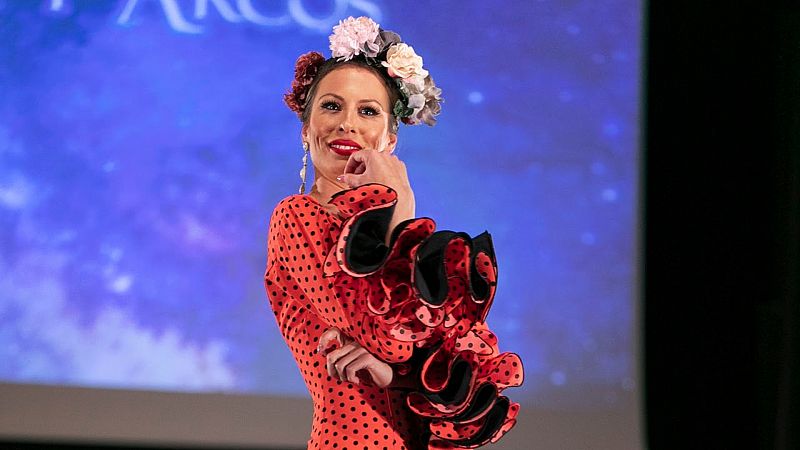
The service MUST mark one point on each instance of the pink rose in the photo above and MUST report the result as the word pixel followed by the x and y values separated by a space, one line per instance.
pixel 353 37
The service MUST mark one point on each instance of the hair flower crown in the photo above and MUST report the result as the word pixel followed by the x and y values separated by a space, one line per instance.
pixel 419 100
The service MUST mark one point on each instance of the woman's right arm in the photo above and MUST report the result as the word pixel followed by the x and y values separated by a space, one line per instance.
pixel 300 238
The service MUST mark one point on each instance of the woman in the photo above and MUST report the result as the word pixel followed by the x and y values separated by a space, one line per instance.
pixel 384 316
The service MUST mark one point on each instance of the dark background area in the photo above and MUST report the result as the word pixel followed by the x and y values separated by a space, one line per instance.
pixel 722 164
pixel 721 182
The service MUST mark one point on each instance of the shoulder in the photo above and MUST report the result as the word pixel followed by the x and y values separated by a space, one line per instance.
pixel 296 201
pixel 298 210
pixel 293 205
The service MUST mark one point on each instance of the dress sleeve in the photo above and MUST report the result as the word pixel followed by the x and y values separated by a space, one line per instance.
pixel 422 287
pixel 432 290
pixel 300 237
pixel 302 240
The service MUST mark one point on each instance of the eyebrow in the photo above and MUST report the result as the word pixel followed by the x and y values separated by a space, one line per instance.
pixel 360 101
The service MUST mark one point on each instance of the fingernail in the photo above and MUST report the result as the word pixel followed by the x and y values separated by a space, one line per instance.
pixel 340 178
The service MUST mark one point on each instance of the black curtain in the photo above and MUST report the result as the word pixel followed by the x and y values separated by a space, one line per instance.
pixel 721 187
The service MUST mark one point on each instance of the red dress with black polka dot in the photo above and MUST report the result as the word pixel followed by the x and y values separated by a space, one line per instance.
pixel 334 270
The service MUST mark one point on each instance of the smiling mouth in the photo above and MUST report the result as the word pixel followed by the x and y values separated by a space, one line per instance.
pixel 344 148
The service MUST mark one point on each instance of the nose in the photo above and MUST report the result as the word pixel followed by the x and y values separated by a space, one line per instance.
pixel 346 125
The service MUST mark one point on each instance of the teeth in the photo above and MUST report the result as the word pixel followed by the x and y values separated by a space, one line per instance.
pixel 344 147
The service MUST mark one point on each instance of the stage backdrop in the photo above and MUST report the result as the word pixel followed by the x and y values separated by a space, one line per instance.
pixel 144 143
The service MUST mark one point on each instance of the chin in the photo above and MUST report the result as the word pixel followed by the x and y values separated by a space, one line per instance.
pixel 331 171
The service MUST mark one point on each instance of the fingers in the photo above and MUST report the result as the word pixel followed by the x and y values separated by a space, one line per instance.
pixel 350 179
pixel 380 372
pixel 331 337
pixel 361 168
pixel 356 168
pixel 355 160
pixel 343 364
pixel 356 165
pixel 369 166
pixel 363 361
pixel 334 356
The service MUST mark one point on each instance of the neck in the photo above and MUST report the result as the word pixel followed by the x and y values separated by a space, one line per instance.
pixel 324 188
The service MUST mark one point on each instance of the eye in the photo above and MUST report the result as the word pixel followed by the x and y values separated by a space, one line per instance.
pixel 369 111
pixel 331 105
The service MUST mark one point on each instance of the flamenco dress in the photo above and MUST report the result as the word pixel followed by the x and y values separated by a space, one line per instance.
pixel 418 304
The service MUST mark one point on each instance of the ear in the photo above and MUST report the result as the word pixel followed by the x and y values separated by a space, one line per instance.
pixel 304 133
pixel 392 142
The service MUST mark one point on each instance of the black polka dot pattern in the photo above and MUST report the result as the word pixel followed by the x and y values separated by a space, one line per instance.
pixel 312 286
pixel 453 421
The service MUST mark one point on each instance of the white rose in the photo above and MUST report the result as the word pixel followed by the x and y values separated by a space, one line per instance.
pixel 403 62
pixel 416 82
pixel 417 102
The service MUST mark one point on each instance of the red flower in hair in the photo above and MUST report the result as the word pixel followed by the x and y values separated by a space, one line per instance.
pixel 305 69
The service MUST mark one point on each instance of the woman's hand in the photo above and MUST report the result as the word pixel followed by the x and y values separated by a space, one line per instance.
pixel 369 166
pixel 344 362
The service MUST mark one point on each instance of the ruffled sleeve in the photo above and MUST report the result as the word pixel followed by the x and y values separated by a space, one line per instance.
pixel 301 240
pixel 427 290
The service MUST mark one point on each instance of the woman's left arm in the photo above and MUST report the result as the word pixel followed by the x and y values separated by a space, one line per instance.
pixel 403 210
pixel 370 166
pixel 350 357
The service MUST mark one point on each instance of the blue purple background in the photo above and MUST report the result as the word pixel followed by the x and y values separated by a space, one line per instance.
pixel 144 143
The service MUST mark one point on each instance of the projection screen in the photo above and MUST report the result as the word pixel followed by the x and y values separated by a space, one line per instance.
pixel 144 143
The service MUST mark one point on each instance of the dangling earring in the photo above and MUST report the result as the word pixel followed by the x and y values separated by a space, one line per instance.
pixel 303 170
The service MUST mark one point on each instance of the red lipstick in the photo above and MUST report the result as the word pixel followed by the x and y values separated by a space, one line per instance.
pixel 344 147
